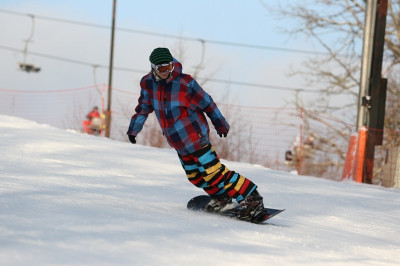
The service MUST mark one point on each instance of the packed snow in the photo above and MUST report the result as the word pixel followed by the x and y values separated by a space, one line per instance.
pixel 73 199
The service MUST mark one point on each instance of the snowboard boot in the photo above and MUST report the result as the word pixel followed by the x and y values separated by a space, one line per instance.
pixel 218 202
pixel 252 207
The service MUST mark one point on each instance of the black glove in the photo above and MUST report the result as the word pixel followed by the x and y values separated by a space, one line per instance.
pixel 225 134
pixel 132 139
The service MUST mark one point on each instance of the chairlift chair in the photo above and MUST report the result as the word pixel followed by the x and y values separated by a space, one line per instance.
pixel 25 66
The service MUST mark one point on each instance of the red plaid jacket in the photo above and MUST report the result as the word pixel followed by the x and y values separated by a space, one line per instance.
pixel 179 104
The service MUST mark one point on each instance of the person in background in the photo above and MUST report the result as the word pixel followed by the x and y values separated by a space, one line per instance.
pixel 93 123
pixel 180 105
pixel 301 151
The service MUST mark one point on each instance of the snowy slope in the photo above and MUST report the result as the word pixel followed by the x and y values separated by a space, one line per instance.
pixel 73 199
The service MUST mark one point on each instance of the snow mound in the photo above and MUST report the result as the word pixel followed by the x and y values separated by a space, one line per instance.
pixel 73 199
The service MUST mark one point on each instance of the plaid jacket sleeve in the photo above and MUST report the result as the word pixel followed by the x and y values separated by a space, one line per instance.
pixel 143 109
pixel 203 101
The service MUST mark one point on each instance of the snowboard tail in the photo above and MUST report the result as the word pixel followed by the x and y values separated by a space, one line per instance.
pixel 200 202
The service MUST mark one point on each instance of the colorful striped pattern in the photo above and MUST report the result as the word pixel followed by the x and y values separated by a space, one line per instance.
pixel 205 171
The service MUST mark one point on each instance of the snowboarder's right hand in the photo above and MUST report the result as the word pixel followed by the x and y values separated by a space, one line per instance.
pixel 132 139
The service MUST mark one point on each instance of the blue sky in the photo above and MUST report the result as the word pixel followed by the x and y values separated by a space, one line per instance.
pixel 233 21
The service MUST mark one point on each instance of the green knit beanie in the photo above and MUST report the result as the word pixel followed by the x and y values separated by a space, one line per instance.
pixel 160 56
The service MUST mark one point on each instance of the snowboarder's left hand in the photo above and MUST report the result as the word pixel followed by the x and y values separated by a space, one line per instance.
pixel 223 131
pixel 132 139
pixel 223 134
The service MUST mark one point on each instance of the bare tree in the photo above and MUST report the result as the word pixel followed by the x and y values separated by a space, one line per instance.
pixel 338 27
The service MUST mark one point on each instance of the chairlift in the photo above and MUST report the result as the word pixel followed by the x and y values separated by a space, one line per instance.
pixel 28 67
pixel 24 66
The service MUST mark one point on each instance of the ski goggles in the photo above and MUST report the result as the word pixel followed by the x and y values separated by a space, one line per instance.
pixel 163 67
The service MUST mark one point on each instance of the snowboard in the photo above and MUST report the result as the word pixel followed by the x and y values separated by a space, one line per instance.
pixel 198 204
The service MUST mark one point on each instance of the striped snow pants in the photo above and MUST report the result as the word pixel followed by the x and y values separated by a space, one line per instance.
pixel 204 170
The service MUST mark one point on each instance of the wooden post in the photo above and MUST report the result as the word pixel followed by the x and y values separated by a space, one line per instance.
pixel 108 112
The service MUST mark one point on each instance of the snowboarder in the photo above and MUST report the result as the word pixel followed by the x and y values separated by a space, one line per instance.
pixel 179 104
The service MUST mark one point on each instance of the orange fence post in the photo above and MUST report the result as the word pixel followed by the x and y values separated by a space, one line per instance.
pixel 360 155
pixel 353 167
pixel 348 164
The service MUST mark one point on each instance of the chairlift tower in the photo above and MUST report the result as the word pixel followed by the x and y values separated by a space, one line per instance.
pixel 372 96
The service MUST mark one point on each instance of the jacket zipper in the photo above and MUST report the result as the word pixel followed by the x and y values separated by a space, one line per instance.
pixel 165 104
pixel 162 102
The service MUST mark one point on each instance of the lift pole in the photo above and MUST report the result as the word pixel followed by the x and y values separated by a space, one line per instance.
pixel 369 22
pixel 376 100
pixel 108 111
